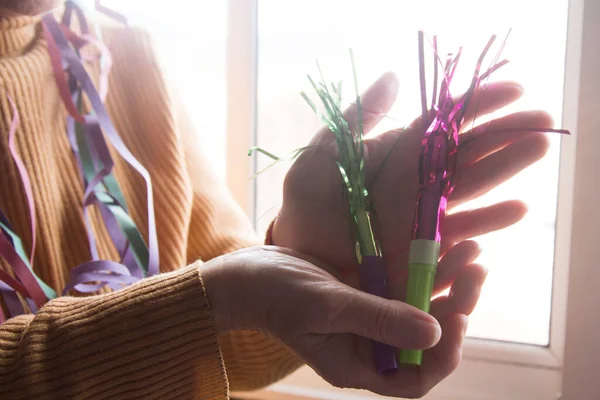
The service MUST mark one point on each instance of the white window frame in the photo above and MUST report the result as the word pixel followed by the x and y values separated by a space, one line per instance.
pixel 490 369
pixel 242 45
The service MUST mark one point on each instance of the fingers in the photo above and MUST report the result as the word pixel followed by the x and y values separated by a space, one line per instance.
pixel 413 382
pixel 487 99
pixel 444 358
pixel 376 101
pixel 450 266
pixel 451 311
pixel 472 223
pixel 463 295
pixel 453 262
pixel 489 138
pixel 438 362
pixel 491 97
pixel 387 321
pixel 479 178
pixel 457 228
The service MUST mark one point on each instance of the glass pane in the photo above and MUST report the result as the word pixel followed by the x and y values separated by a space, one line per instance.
pixel 190 39
pixel 516 301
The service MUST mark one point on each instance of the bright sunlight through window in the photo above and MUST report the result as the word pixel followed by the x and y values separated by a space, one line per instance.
pixel 191 43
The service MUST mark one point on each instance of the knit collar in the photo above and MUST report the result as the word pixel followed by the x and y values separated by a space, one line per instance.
pixel 17 34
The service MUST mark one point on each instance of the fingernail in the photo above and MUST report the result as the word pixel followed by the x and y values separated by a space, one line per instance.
pixel 391 77
pixel 437 334
pixel 391 82
pixel 432 332
pixel 521 88
pixel 465 325
pixel 478 248
pixel 485 273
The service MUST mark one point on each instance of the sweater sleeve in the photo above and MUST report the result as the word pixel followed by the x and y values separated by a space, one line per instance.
pixel 154 339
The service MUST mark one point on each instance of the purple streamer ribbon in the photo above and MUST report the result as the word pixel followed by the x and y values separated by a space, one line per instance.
pixel 102 272
pixel 77 69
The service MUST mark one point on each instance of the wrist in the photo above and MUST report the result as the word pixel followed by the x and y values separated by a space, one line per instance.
pixel 233 284
pixel 213 275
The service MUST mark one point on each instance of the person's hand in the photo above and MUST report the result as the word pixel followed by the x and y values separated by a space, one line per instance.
pixel 314 218
pixel 329 324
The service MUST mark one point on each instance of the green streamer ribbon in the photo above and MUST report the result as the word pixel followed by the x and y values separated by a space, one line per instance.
pixel 110 194
pixel 18 245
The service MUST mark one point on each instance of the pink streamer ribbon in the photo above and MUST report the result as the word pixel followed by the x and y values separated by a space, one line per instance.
pixel 23 173
pixel 29 288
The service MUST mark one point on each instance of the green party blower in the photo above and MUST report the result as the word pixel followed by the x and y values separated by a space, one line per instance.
pixel 349 137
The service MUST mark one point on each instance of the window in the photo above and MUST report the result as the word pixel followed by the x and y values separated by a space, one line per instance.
pixel 513 352
pixel 191 46
pixel 383 37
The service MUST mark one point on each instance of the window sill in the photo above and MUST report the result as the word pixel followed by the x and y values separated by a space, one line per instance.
pixel 474 380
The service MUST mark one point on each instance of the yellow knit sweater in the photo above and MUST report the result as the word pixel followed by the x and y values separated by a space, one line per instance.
pixel 154 339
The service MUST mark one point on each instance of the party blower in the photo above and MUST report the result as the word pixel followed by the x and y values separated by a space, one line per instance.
pixel 437 164
pixel 350 144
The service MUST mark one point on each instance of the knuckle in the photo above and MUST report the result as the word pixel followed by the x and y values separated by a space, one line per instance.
pixel 454 362
pixel 337 380
pixel 378 325
pixel 417 392
pixel 345 380
pixel 333 309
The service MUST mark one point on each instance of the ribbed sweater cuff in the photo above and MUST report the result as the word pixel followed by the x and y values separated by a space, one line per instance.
pixel 152 340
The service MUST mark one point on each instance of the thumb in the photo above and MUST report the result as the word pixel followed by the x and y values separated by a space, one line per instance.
pixel 387 321
pixel 376 101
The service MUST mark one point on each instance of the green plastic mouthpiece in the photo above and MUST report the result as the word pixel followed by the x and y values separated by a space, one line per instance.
pixel 422 266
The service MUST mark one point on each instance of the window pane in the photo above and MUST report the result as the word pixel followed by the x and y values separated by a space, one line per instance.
pixel 516 301
pixel 190 40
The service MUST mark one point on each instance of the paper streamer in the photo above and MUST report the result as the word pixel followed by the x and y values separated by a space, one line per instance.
pixel 86 137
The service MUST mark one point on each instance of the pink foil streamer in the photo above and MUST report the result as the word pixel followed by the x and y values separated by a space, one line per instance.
pixel 439 146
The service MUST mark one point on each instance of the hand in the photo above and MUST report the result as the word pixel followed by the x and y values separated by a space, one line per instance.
pixel 314 217
pixel 329 324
